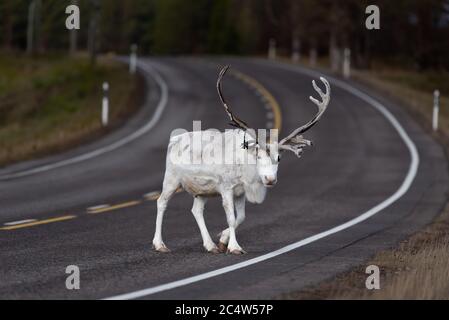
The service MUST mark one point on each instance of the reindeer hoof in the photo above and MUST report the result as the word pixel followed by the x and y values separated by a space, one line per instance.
pixel 214 251
pixel 236 252
pixel 222 247
pixel 161 249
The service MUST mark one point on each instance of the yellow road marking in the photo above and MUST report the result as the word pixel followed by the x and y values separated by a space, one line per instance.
pixel 266 94
pixel 90 209
pixel 116 207
pixel 16 223
pixel 37 223
pixel 153 196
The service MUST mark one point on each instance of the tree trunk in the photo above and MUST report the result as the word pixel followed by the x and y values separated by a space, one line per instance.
pixel 8 27
pixel 93 30
pixel 334 54
pixel 73 36
pixel 31 27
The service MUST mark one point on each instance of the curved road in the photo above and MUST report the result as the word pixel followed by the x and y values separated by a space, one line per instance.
pixel 87 207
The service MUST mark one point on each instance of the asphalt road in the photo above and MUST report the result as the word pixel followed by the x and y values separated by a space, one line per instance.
pixel 359 161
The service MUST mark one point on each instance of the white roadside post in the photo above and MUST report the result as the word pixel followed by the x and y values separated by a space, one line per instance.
pixel 133 59
pixel 272 49
pixel 347 63
pixel 335 60
pixel 105 105
pixel 436 109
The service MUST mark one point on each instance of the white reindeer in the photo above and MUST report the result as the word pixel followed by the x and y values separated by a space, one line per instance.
pixel 236 182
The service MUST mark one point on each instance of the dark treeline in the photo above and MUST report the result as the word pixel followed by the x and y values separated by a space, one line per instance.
pixel 413 32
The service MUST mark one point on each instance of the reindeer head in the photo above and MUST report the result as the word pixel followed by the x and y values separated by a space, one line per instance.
pixel 268 154
pixel 267 159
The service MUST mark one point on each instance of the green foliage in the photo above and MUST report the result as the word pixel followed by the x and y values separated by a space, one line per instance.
pixel 180 26
pixel 222 36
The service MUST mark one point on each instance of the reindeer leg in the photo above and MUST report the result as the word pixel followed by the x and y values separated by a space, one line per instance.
pixel 169 189
pixel 224 236
pixel 228 205
pixel 198 210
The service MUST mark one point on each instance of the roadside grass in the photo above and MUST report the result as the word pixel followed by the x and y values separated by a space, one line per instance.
pixel 414 91
pixel 50 103
pixel 418 267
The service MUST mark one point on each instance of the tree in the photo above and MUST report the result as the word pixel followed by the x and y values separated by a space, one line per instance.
pixel 181 26
pixel 7 27
pixel 222 36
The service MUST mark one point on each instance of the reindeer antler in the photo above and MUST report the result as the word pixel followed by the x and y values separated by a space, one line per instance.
pixel 235 121
pixel 294 141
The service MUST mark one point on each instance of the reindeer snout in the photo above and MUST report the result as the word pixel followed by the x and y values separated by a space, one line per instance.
pixel 270 181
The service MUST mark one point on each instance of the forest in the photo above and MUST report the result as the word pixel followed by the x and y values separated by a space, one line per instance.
pixel 414 33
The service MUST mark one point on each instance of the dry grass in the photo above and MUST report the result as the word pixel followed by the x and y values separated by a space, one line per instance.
pixel 50 104
pixel 413 90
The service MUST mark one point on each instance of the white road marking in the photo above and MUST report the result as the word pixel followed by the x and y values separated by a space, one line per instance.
pixel 137 134
pixel 15 223
pixel 270 115
pixel 411 174
pixel 270 125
